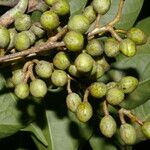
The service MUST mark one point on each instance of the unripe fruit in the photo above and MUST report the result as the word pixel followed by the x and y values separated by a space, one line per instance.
pixel 22 22
pixel 61 7
pixel 22 41
pixel 111 85
pixel 22 90
pixel 84 111
pixel 36 15
pixel 128 134
pixel 73 71
pixel 59 78
pixel 128 84
pixel 99 71
pixel 94 48
pixel 74 41
pixel 146 129
pixel 49 20
pixel 50 2
pixel 108 126
pixel 98 89
pixel 114 96
pixel 9 83
pixel 73 100
pixel 90 13
pixel 38 88
pixel 94 68
pixel 101 6
pixel 103 63
pixel 61 61
pixel 128 47
pixel 31 36
pixel 79 23
pixel 44 69
pixel 111 47
pixel 137 35
pixel 5 37
pixel 84 63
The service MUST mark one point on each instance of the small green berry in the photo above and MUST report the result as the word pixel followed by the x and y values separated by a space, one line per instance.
pixel 114 96
pixel 93 71
pixel 101 6
pixel 128 47
pixel 31 36
pixel 137 35
pixel 73 71
pixel 111 85
pixel 84 111
pixel 103 62
pixel 73 100
pixel 146 129
pixel 98 89
pixel 49 20
pixel 61 61
pixel 59 78
pixel 44 69
pixel 50 2
pixel 108 126
pixel 36 15
pixel 84 62
pixel 22 90
pixel 128 134
pixel 38 88
pixel 79 23
pixel 99 71
pixel 74 41
pixel 9 83
pixel 94 48
pixel 128 84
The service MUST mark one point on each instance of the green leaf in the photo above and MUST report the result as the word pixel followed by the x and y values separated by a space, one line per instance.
pixel 144 25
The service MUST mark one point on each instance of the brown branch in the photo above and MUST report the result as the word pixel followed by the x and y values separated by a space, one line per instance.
pixel 86 94
pixel 105 108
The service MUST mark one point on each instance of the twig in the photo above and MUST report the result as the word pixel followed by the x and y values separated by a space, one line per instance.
pixel 121 116
pixel 86 94
pixel 105 108
pixel 69 85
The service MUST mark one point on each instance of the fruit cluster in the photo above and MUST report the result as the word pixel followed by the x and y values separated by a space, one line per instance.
pixel 81 60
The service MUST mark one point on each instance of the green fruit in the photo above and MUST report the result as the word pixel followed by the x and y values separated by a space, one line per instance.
pixel 128 134
pixel 111 47
pixel 49 20
pixel 98 89
pixel 114 96
pixel 5 37
pixel 128 47
pixel 137 35
pixel 103 63
pixel 50 2
pixel 73 100
pixel 146 129
pixel 73 71
pixel 108 126
pixel 99 71
pixel 93 71
pixel 74 41
pixel 38 88
pixel 22 22
pixel 9 83
pixel 90 13
pixel 36 15
pixel 61 61
pixel 111 85
pixel 128 84
pixel 59 78
pixel 84 111
pixel 22 90
pixel 79 23
pixel 61 7
pixel 22 41
pixel 44 69
pixel 94 48
pixel 101 6
pixel 84 63
pixel 31 36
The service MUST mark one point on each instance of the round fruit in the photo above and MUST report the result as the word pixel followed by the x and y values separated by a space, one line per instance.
pixel 61 61
pixel 44 69
pixel 5 37
pixel 94 48
pixel 73 100
pixel 99 71
pixel 114 96
pixel 98 89
pixel 50 2
pixel 137 35
pixel 128 134
pixel 59 78
pixel 103 62
pixel 38 88
pixel 128 47
pixel 22 22
pixel 146 129
pixel 101 6
pixel 49 20
pixel 84 62
pixel 73 71
pixel 84 111
pixel 22 41
pixel 108 126
pixel 128 84
pixel 22 90
pixel 74 41
pixel 31 36
pixel 79 23
pixel 111 85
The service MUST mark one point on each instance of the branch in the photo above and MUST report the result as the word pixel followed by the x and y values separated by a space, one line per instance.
pixel 8 3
